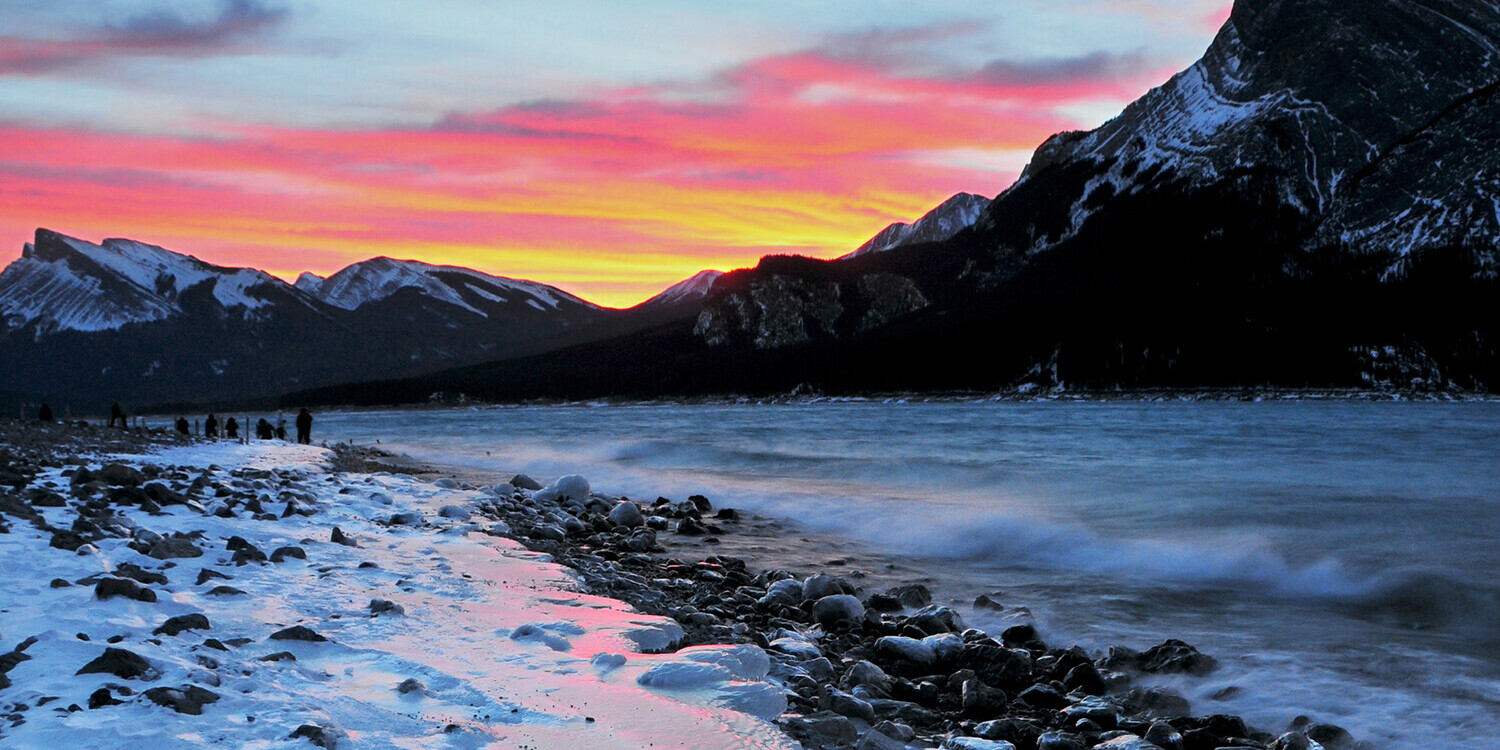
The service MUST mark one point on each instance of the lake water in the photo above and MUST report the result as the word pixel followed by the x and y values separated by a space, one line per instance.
pixel 1339 559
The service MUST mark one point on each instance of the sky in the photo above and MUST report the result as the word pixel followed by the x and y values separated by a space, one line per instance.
pixel 608 148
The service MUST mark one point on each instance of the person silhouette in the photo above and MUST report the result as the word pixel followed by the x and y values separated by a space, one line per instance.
pixel 211 426
pixel 304 426
pixel 44 413
pixel 117 412
pixel 232 429
pixel 182 426
pixel 264 430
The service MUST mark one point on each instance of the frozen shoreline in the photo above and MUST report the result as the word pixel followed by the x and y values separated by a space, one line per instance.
pixel 506 648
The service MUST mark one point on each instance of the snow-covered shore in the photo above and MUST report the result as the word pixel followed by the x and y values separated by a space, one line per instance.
pixel 489 644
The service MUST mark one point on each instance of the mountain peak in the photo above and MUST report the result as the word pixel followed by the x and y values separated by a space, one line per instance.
pixel 381 277
pixel 949 218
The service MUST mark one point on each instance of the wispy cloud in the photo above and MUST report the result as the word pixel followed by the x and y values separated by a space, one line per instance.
pixel 237 25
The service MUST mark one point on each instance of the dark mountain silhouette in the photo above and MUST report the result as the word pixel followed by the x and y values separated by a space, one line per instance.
pixel 1316 202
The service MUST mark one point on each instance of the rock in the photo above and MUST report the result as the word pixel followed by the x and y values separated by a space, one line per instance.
pixel 975 743
pixel 525 482
pixel 385 606
pixel 875 740
pixel 1291 741
pixel 248 553
pixel 824 727
pixel 1001 667
pixel 64 539
pixel 1043 696
pixel 338 537
pixel 411 685
pixel 838 610
pixel 570 487
pixel 111 587
pixel 820 668
pixel 120 475
pixel 1094 709
pixel 120 663
pixel 406 518
pixel 298 633
pixel 1164 736
pixel 101 698
pixel 280 656
pixel 691 527
pixel 701 503
pixel 550 531
pixel 1085 677
pixel 911 595
pixel 1059 741
pixel 1173 657
pixel 137 573
pixel 727 514
pixel 627 514
pixel 282 553
pixel 845 704
pixel 224 591
pixel 818 586
pixel 447 483
pixel 898 648
pixel 980 701
pixel 865 673
pixel 933 619
pixel 454 512
pixel 169 547
pixel 175 625
pixel 324 737
pixel 59 583
pixel 189 699
pixel 1330 736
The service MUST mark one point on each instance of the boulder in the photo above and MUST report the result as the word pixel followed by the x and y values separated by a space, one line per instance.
pixel 1175 657
pixel 298 633
pixel 112 587
pixel 120 663
pixel 169 547
pixel 175 625
pixel 627 514
pixel 454 512
pixel 838 610
pixel 818 586
pixel 189 699
pixel 120 475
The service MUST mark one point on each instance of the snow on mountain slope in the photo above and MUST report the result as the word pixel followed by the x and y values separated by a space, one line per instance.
pixel 379 278
pixel 1310 93
pixel 690 289
pixel 949 218
pixel 64 283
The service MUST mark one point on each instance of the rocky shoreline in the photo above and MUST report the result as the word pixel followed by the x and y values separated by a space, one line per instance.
pixel 870 670
pixel 863 669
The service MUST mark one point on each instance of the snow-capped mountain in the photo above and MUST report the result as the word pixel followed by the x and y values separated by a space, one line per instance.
pixel 85 322
pixel 379 278
pixel 691 290
pixel 65 284
pixel 949 218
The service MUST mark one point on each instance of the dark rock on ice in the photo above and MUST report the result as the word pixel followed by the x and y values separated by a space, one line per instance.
pixel 111 587
pixel 136 572
pixel 280 656
pixel 454 512
pixel 411 685
pixel 385 606
pixel 298 633
pixel 169 547
pixel 338 537
pixel 120 663
pixel 101 698
pixel 282 553
pixel 189 699
pixel 207 574
pixel 120 475
pixel 175 625
pixel 224 591
pixel 324 737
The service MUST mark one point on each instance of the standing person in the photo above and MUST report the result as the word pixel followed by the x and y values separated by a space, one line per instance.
pixel 304 426
pixel 211 426
pixel 182 426
pixel 232 429
pixel 117 412
pixel 45 413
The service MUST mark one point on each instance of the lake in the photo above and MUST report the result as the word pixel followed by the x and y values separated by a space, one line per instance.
pixel 1338 558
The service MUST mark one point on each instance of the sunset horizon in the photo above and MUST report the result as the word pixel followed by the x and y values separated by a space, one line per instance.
pixel 545 145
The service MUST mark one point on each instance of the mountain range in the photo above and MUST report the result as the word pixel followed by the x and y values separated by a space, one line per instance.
pixel 1315 202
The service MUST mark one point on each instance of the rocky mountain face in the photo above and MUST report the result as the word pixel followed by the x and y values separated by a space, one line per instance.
pixel 1315 202
pixel 86 324
pixel 949 218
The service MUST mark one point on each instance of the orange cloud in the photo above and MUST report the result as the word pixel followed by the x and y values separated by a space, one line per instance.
pixel 612 197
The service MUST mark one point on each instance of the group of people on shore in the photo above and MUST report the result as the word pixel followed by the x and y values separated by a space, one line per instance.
pixel 264 430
